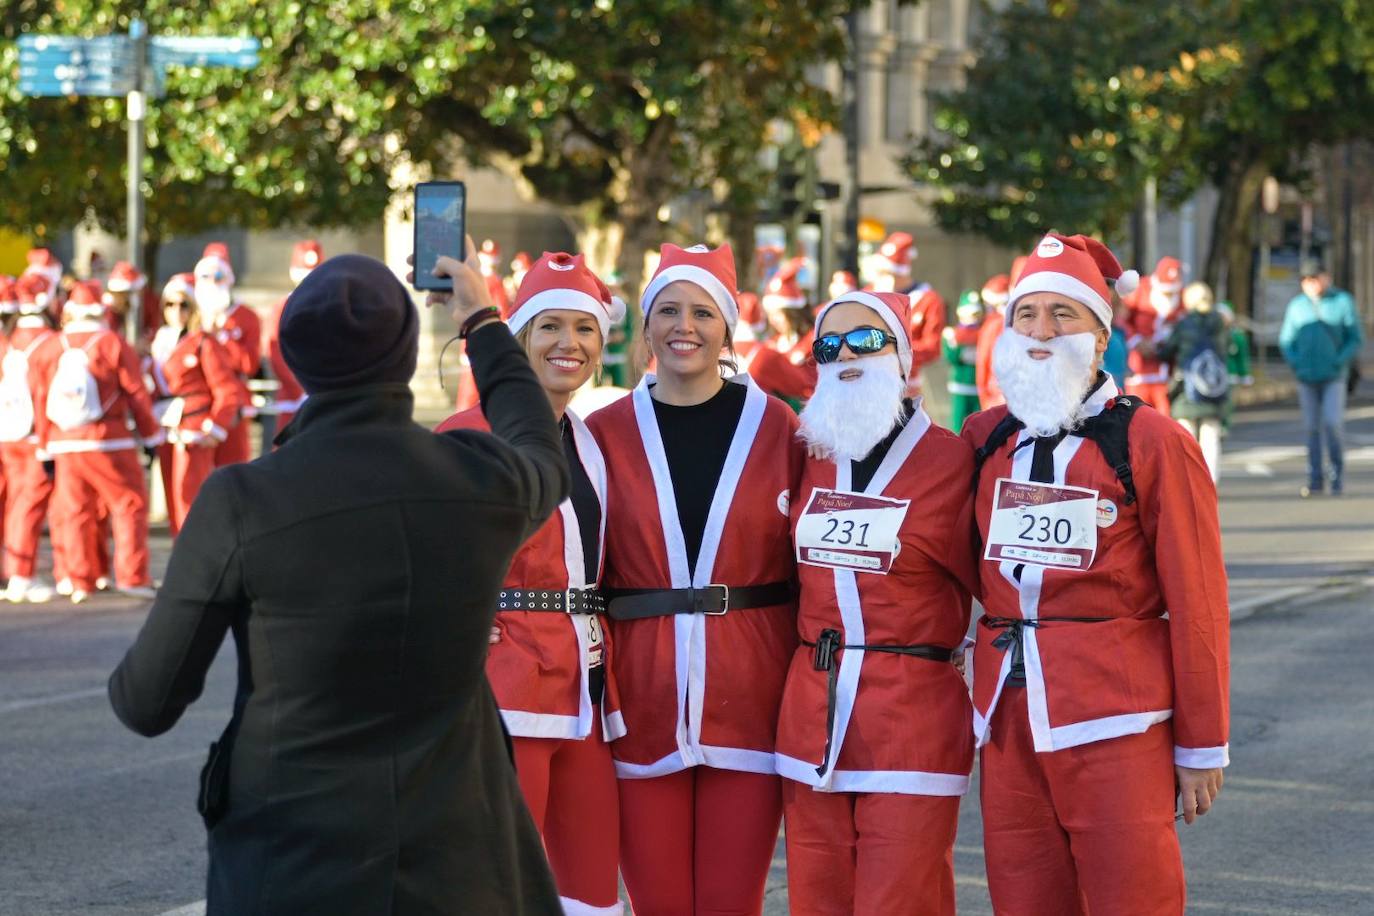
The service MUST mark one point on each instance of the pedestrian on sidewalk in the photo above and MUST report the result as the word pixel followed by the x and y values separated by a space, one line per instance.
pixel 871 802
pixel 364 769
pixel 1320 339
pixel 1094 710
pixel 1200 387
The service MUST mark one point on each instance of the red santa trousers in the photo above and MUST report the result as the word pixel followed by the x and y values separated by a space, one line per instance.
pixel 190 465
pixel 570 788
pixel 699 842
pixel 235 449
pixel 852 853
pixel 28 492
pixel 1156 394
pixel 1088 829
pixel 84 481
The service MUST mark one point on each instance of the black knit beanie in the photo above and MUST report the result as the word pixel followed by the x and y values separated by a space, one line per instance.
pixel 349 323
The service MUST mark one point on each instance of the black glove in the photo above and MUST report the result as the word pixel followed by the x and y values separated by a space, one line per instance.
pixel 50 469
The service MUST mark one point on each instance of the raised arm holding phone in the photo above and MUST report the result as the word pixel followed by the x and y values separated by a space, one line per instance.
pixel 364 768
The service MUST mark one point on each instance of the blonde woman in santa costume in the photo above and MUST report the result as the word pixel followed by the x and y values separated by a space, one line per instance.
pixel 698 578
pixel 549 660
pixel 198 396
pixel 873 737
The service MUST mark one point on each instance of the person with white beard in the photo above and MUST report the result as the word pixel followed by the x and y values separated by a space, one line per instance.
pixel 1094 711
pixel 238 329
pixel 873 734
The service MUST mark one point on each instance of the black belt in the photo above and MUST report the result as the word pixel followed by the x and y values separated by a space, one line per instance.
pixel 636 603
pixel 1013 637
pixel 559 601
pixel 829 643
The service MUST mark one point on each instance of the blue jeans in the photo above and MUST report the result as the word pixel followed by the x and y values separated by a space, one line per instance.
pixel 1323 415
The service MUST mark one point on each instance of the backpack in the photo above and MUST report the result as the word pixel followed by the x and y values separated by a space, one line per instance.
pixel 1109 430
pixel 1206 380
pixel 16 401
pixel 73 396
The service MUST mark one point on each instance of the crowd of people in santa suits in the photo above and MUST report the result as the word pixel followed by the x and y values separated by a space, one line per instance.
pixel 745 615
pixel 83 412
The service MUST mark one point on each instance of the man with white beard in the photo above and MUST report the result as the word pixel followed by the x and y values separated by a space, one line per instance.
pixel 238 329
pixel 1094 710
pixel 1151 311
pixel 873 734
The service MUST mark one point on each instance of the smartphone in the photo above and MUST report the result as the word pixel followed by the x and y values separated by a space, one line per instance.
pixel 440 218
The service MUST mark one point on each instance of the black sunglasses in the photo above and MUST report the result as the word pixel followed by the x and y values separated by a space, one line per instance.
pixel 861 342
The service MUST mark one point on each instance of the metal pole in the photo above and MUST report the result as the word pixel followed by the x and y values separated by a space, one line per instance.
pixel 1347 274
pixel 1151 224
pixel 850 100
pixel 135 111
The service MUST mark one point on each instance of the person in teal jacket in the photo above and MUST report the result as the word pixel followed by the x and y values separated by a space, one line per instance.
pixel 1320 339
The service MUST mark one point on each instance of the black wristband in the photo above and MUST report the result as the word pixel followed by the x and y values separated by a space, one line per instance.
pixel 472 321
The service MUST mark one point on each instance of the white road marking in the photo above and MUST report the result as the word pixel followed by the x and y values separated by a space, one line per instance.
pixel 1306 884
pixel 190 909
pixel 34 702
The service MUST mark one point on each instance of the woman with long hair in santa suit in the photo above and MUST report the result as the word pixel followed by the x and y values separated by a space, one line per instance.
pixel 197 396
pixel 548 662
pixel 699 584
pixel 873 737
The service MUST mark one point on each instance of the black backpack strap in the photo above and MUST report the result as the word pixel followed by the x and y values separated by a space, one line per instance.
pixel 1006 427
pixel 1109 430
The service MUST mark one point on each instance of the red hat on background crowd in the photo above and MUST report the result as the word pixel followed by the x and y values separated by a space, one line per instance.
pixel 841 282
pixel 44 263
pixel 125 278
pixel 897 253
pixel 33 292
pixel 783 290
pixel 305 257
pixel 996 291
pixel 83 301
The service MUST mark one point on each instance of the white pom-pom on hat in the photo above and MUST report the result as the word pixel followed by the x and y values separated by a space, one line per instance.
pixel 617 310
pixel 1127 283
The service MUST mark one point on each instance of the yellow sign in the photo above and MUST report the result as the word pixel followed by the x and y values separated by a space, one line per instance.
pixel 872 230
pixel 13 248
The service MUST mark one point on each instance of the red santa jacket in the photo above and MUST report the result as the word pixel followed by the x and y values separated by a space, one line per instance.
pixel 114 366
pixel 27 337
pixel 539 668
pixel 240 333
pixel 922 600
pixel 925 325
pixel 496 289
pixel 789 373
pixel 290 394
pixel 1090 681
pixel 989 392
pixel 1144 322
pixel 699 689
pixel 199 373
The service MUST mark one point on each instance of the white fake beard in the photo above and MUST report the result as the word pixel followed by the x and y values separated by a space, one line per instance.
pixel 213 301
pixel 1164 303
pixel 1045 394
pixel 846 418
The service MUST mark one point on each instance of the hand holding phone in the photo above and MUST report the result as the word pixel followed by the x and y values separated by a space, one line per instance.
pixel 468 288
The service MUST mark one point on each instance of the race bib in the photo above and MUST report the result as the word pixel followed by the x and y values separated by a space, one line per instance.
pixel 1042 525
pixel 854 531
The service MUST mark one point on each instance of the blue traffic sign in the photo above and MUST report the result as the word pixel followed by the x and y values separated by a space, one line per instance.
pixel 60 65
pixel 241 53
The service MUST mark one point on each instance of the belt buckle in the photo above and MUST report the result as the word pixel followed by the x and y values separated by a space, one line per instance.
pixel 725 605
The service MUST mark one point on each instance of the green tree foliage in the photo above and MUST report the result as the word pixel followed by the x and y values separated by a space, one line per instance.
pixel 608 108
pixel 1073 104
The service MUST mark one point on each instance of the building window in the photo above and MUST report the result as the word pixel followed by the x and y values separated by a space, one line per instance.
pixel 897 116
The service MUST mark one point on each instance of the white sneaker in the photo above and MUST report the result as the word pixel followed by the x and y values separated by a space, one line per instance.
pixel 38 594
pixel 102 584
pixel 138 591
pixel 79 595
pixel 65 587
pixel 18 589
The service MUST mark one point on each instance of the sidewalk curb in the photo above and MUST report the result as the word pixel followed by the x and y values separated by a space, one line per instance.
pixel 1300 596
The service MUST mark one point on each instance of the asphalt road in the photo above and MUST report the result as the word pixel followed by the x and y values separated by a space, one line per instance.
pixel 95 820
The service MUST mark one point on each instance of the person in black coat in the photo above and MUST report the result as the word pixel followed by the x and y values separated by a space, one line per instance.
pixel 365 769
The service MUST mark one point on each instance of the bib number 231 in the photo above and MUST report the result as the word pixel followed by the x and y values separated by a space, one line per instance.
pixel 1043 525
pixel 845 530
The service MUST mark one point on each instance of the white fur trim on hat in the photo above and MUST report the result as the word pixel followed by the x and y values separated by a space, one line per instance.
pixel 1048 281
pixel 1127 283
pixel 894 324
pixel 724 299
pixel 572 300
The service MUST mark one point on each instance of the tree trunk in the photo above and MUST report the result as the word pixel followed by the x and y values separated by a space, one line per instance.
pixel 1233 234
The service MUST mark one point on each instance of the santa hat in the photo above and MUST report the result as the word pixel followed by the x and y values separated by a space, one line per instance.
pixel 711 269
pixel 306 255
pixel 34 292
pixel 970 307
pixel 180 285
pixel 750 311
pixel 125 278
pixel 9 296
pixel 491 249
pixel 996 291
pixel 563 281
pixel 44 263
pixel 521 262
pixel 1078 267
pixel 83 301
pixel 841 282
pixel 783 291
pixel 1168 276
pixel 898 252
pixel 213 266
pixel 893 308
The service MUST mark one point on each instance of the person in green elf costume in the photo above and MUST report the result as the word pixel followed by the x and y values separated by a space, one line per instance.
pixel 960 345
